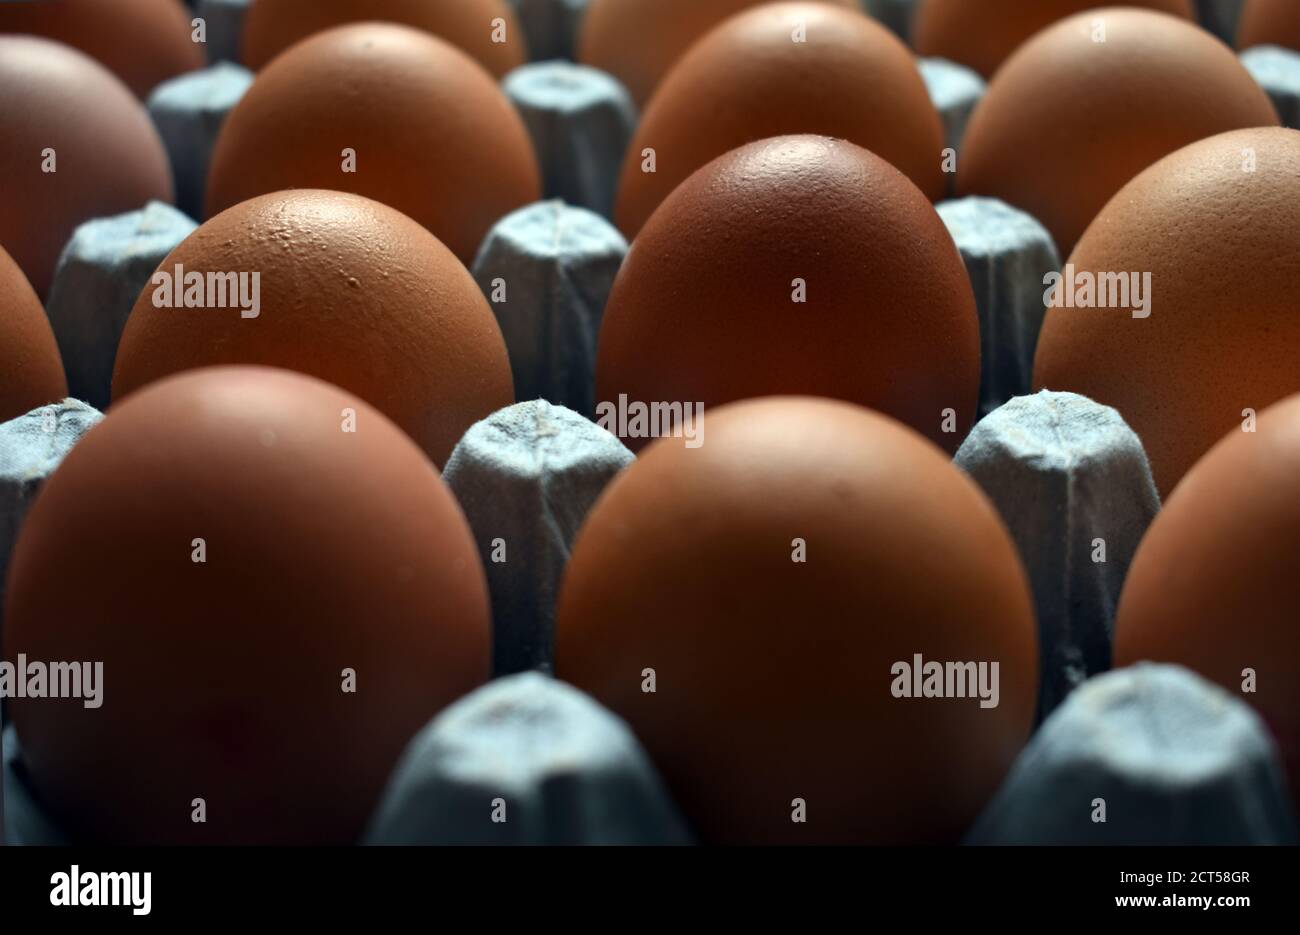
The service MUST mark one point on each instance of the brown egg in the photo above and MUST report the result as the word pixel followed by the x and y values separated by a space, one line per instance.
pixel 799 265
pixel 1269 22
pixel 1214 585
pixel 775 678
pixel 75 144
pixel 746 80
pixel 1068 120
pixel 1222 247
pixel 638 41
pixel 983 35
pixel 143 42
pixel 31 371
pixel 234 555
pixel 349 291
pixel 487 30
pixel 432 134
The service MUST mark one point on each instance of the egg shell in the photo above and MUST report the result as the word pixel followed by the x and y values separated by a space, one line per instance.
pixel 1214 586
pixel 1068 120
pixel 143 42
pixel 1269 22
pixel 324 551
pixel 31 371
pixel 433 135
pixel 638 41
pixel 1222 246
pixel 704 308
pixel 773 676
pixel 746 80
pixel 271 26
pixel 106 156
pixel 352 292
pixel 983 34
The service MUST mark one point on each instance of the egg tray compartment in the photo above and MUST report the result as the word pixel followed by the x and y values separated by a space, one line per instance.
pixel 553 765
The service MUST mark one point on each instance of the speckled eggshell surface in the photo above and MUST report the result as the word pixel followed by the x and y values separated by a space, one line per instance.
pixel 982 34
pixel 31 371
pixel 1269 22
pixel 1068 120
pixel 638 41
pixel 223 678
pixel 774 678
pixel 143 42
pixel 61 110
pixel 705 307
pixel 271 26
pixel 1222 245
pixel 747 80
pixel 352 292
pixel 1214 585
pixel 432 133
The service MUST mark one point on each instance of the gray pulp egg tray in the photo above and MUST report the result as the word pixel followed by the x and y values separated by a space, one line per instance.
pixel 1176 759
